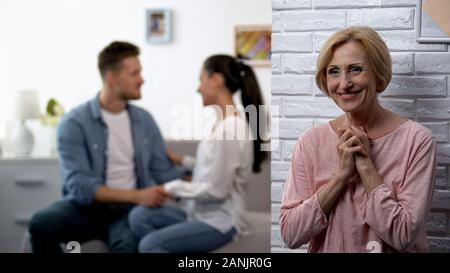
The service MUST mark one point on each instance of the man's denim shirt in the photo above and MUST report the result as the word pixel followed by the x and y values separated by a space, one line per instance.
pixel 82 144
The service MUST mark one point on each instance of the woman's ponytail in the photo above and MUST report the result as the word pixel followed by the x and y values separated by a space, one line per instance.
pixel 251 95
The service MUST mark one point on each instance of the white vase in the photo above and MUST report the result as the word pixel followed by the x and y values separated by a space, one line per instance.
pixel 53 143
pixel 21 140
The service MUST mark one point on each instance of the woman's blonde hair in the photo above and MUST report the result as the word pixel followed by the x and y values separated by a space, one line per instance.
pixel 375 48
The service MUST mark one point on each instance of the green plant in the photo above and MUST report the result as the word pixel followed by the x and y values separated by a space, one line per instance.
pixel 54 112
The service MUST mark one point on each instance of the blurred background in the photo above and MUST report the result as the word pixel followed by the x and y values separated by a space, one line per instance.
pixel 51 47
pixel 48 66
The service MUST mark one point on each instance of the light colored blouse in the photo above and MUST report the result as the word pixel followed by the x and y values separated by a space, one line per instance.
pixel 390 219
pixel 223 164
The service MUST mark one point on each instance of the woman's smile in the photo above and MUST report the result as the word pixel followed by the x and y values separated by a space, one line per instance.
pixel 349 95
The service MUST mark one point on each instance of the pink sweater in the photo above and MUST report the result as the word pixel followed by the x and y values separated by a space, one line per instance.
pixel 390 219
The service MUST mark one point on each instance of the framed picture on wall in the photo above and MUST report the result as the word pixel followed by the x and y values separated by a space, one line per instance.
pixel 159 26
pixel 253 44
pixel 433 22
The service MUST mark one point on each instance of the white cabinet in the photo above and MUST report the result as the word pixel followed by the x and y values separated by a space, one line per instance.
pixel 26 186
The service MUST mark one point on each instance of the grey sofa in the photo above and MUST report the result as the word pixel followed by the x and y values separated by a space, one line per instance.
pixel 258 204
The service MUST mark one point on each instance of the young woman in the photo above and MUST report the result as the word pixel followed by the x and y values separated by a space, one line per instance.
pixel 214 208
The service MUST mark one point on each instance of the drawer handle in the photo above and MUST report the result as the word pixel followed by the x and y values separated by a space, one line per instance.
pixel 29 182
pixel 22 220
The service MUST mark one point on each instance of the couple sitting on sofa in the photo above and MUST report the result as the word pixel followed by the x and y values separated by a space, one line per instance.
pixel 122 186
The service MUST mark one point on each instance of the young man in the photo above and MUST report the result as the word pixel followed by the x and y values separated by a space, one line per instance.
pixel 112 157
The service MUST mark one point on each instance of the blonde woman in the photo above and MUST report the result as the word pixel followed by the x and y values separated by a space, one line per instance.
pixel 362 182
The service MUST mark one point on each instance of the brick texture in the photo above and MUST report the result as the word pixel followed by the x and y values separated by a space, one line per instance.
pixel 395 18
pixel 292 85
pixel 398 3
pixel 439 129
pixel 313 20
pixel 441 177
pixel 419 89
pixel 417 86
pixel 433 63
pixel 290 42
pixel 290 4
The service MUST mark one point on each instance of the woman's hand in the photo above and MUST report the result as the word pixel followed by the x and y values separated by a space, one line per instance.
pixel 361 159
pixel 363 138
pixel 348 146
pixel 363 163
pixel 176 159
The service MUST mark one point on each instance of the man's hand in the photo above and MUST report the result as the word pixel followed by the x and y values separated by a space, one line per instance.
pixel 152 197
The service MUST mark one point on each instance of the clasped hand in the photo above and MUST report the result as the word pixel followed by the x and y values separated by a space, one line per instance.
pixel 354 151
pixel 153 197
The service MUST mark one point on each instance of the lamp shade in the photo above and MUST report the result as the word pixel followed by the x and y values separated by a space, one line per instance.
pixel 27 105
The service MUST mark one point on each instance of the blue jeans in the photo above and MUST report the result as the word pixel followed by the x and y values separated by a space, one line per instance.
pixel 166 230
pixel 66 221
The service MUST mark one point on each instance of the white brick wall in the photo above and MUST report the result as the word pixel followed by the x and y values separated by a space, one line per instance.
pixel 419 89
pixel 291 42
pixel 291 85
pixel 392 18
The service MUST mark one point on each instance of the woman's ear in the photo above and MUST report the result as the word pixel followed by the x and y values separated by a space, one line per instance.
pixel 380 87
pixel 217 79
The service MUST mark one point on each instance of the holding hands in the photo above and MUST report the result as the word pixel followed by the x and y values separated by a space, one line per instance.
pixel 153 197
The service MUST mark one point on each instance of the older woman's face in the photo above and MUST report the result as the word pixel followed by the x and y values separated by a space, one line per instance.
pixel 350 82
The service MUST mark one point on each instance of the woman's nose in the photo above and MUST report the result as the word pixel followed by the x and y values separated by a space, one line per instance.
pixel 345 81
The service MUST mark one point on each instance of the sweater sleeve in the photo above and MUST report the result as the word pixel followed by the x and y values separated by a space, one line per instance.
pixel 188 162
pixel 223 169
pixel 301 217
pixel 397 219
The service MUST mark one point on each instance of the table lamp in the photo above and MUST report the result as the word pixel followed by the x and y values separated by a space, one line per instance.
pixel 26 107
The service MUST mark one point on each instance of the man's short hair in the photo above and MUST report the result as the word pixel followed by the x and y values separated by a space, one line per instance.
pixel 112 55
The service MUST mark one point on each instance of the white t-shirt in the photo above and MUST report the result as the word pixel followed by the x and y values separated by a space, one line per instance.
pixel 120 173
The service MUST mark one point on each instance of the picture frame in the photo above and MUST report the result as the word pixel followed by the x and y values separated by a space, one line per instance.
pixel 253 44
pixel 158 26
pixel 427 27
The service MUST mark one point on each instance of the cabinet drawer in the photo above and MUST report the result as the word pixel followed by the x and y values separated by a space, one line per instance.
pixel 12 227
pixel 26 186
pixel 11 245
pixel 25 194
pixel 31 197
